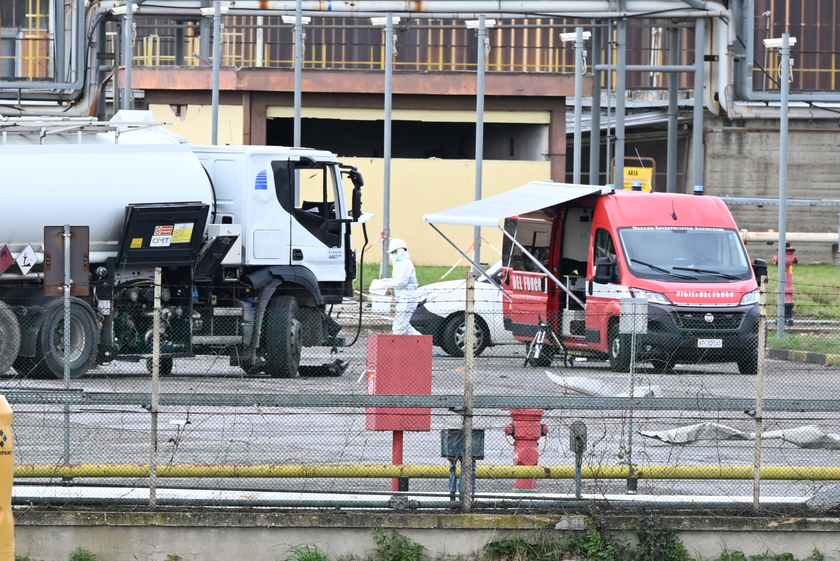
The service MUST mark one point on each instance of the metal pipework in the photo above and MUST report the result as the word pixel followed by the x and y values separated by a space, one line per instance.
pixel 799 237
pixel 745 473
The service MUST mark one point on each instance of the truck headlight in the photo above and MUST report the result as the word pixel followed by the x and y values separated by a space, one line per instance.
pixel 652 297
pixel 753 297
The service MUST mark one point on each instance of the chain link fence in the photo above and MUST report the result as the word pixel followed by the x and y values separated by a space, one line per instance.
pixel 384 414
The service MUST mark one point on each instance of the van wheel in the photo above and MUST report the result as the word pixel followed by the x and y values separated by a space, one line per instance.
pixel 84 339
pixel 283 338
pixel 619 350
pixel 455 336
pixel 662 366
pixel 9 337
pixel 748 362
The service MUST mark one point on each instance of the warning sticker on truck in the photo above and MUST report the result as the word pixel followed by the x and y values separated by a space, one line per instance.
pixel 182 233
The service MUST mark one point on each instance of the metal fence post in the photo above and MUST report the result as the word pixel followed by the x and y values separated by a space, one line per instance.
pixel 759 390
pixel 469 374
pixel 155 393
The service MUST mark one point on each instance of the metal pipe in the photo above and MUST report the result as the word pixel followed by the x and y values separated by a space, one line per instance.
pixel 128 51
pixel 586 8
pixel 783 158
pixel 78 71
pixel 697 128
pixel 648 67
pixel 673 115
pixel 483 44
pixel 274 471
pixel 578 103
pixel 386 195
pixel 533 502
pixel 744 87
pixel 620 98
pixel 595 127
pixel 298 72
pixel 799 237
pixel 217 63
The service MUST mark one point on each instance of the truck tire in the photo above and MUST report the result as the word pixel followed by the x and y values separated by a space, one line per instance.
pixel 455 334
pixel 84 339
pixel 32 366
pixel 9 337
pixel 282 338
pixel 619 350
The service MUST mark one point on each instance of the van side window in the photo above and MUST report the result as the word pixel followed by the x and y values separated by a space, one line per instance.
pixel 534 234
pixel 604 246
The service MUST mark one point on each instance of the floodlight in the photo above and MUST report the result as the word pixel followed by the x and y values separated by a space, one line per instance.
pixel 121 10
pixel 776 43
pixel 473 23
pixel 211 11
pixel 292 20
pixel 381 22
pixel 566 37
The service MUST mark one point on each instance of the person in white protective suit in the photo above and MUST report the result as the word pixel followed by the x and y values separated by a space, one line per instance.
pixel 404 284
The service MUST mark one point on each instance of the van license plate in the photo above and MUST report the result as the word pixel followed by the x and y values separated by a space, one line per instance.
pixel 709 343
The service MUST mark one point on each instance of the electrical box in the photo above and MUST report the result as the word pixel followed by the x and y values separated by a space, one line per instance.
pixel 452 444
pixel 399 365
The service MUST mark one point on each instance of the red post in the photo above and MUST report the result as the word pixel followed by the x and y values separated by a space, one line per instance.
pixel 397 457
pixel 526 429
pixel 790 261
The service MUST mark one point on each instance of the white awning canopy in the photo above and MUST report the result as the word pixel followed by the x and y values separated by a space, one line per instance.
pixel 530 197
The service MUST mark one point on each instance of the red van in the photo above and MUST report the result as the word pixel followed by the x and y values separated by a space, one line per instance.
pixel 589 247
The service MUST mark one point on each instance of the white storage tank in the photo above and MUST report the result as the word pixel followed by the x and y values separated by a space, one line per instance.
pixel 90 185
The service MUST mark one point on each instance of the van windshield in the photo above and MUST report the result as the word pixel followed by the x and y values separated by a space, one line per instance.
pixel 685 254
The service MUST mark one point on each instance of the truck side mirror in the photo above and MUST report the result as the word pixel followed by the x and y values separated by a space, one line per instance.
pixel 759 269
pixel 358 181
pixel 603 271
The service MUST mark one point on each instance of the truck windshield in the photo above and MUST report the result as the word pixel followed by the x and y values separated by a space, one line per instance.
pixel 684 254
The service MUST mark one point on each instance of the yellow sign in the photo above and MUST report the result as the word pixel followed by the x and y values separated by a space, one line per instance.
pixel 643 175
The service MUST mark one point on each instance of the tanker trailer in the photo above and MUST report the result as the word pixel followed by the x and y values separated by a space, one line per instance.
pixel 247 266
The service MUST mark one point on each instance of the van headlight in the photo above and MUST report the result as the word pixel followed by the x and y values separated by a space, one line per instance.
pixel 652 297
pixel 753 297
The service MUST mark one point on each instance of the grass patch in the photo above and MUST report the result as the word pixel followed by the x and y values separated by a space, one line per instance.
pixel 425 274
pixel 816 291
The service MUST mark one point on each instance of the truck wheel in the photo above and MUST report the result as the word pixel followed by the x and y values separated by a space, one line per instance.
pixel 748 362
pixel 165 366
pixel 455 336
pixel 32 366
pixel 9 337
pixel 619 350
pixel 84 339
pixel 283 338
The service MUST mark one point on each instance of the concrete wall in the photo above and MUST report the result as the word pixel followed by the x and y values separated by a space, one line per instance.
pixel 421 187
pixel 742 160
pixel 267 535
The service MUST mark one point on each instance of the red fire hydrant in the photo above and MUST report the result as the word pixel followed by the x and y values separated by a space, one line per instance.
pixel 526 428
pixel 790 261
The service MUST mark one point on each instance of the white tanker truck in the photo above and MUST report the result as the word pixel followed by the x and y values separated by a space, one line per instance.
pixel 253 242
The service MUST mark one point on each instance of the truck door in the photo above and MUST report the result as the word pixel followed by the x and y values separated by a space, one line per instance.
pixel 521 278
pixel 602 299
pixel 315 208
